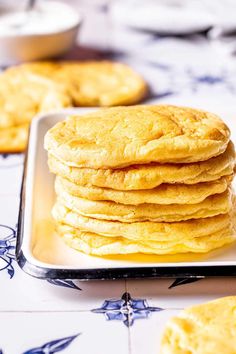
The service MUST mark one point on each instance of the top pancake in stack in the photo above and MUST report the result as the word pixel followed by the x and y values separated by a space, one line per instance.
pixel 136 170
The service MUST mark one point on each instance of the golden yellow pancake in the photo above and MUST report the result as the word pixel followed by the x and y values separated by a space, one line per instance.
pixel 28 89
pixel 208 328
pixel 104 84
pixel 164 194
pixel 144 230
pixel 94 244
pixel 148 176
pixel 22 96
pixel 94 83
pixel 106 210
pixel 13 139
pixel 122 136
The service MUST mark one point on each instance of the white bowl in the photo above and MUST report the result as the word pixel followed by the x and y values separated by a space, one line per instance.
pixel 17 44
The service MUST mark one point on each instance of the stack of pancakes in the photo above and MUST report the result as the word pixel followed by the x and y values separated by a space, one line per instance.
pixel 143 179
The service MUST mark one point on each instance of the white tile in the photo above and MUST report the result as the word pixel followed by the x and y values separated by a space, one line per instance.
pixel 145 335
pixel 9 161
pixel 9 209
pixel 53 297
pixel 24 331
pixel 159 292
pixel 11 169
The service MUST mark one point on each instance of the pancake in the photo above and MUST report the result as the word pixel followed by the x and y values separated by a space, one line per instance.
pixel 13 139
pixel 94 83
pixel 22 96
pixel 148 176
pixel 145 230
pixel 106 210
pixel 207 328
pixel 94 244
pixel 123 136
pixel 28 89
pixel 164 194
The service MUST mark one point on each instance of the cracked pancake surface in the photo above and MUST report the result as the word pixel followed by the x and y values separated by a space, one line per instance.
pixel 122 136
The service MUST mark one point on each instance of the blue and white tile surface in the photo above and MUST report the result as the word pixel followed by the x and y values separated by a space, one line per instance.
pixel 119 317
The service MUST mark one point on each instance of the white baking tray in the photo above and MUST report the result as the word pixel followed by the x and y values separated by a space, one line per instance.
pixel 41 253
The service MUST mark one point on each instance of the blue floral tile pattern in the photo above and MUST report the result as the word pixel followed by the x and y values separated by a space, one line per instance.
pixel 161 95
pixel 52 347
pixel 64 283
pixel 7 249
pixel 221 79
pixel 126 309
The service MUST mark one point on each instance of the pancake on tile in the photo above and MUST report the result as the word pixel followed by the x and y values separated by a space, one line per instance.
pixel 98 245
pixel 28 89
pixel 13 139
pixel 22 96
pixel 150 175
pixel 164 194
pixel 123 136
pixel 94 83
pixel 208 328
